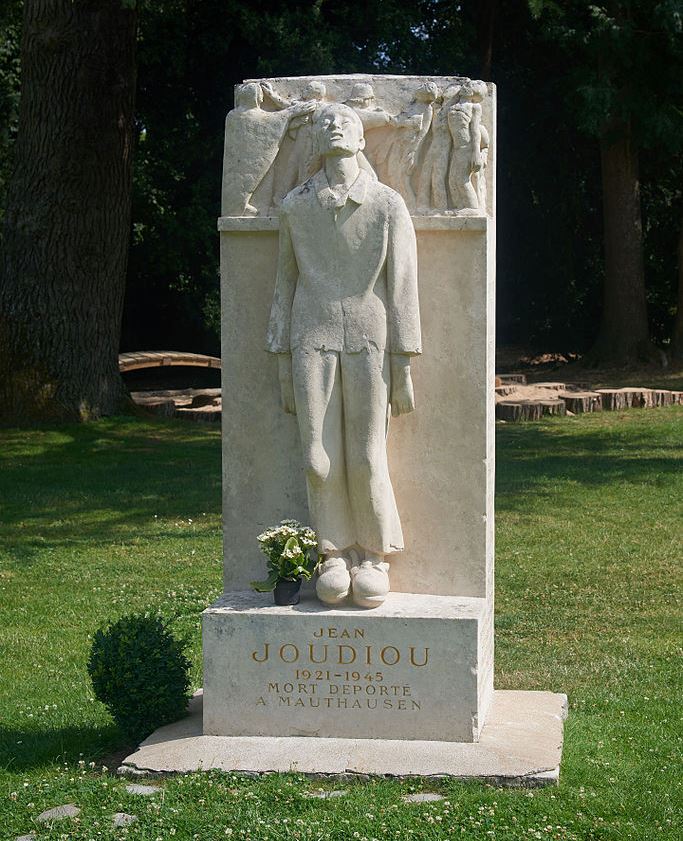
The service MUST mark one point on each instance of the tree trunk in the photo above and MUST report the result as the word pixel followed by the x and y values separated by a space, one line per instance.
pixel 678 327
pixel 486 14
pixel 67 222
pixel 624 336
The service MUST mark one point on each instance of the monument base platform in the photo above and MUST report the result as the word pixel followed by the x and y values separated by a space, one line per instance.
pixel 520 744
pixel 416 667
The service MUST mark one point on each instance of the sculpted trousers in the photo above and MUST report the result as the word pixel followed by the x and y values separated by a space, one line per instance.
pixel 342 409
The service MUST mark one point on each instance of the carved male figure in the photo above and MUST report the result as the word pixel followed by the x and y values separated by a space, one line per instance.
pixel 464 123
pixel 432 192
pixel 246 165
pixel 403 151
pixel 345 324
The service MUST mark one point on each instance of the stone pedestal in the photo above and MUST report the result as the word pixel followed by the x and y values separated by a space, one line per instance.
pixel 418 667
pixel 417 672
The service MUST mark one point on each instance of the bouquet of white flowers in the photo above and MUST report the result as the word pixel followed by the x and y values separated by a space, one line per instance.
pixel 292 552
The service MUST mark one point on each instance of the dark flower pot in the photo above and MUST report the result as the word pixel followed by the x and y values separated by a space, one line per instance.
pixel 287 592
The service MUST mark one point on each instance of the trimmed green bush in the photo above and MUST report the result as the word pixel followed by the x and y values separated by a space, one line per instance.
pixel 139 671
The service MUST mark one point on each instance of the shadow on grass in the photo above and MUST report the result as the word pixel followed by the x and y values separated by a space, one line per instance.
pixel 535 458
pixel 92 483
pixel 22 750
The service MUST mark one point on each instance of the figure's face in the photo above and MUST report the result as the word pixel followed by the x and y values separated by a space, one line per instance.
pixel 340 132
pixel 313 91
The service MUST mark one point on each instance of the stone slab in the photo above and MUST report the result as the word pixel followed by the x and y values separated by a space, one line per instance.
pixel 59 813
pixel 441 456
pixel 417 667
pixel 521 744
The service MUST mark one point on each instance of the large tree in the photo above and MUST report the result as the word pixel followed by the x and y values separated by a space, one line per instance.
pixel 623 88
pixel 67 218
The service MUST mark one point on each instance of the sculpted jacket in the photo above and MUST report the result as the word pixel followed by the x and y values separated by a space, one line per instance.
pixel 347 275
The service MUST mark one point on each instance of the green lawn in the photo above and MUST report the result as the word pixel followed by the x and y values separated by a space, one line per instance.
pixel 124 515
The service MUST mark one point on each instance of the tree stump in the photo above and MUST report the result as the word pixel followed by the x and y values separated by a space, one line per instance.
pixel 516 411
pixel 614 399
pixel 582 402
pixel 504 390
pixel 505 379
pixel 552 386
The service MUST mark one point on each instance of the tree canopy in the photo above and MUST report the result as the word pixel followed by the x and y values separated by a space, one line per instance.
pixel 568 73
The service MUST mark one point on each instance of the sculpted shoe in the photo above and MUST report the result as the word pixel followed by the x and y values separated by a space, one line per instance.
pixel 334 581
pixel 370 583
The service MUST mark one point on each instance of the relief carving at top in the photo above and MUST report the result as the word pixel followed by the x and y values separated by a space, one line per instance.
pixel 433 148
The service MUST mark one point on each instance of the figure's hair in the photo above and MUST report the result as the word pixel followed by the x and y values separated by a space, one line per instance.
pixel 430 88
pixel 249 87
pixel 318 87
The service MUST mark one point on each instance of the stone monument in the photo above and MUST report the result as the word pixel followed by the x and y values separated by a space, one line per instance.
pixel 357 282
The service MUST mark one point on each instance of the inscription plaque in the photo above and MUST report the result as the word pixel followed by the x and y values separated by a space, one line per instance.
pixel 310 672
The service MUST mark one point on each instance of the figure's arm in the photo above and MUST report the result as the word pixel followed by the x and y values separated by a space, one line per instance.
pixel 475 138
pixel 278 336
pixel 278 101
pixel 403 311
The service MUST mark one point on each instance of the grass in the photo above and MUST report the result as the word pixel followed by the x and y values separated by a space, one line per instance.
pixel 124 515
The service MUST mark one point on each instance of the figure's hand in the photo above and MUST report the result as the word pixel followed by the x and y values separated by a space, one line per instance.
pixel 306 107
pixel 402 394
pixel 284 372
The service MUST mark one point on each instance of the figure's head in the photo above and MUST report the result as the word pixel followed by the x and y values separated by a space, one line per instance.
pixel 249 95
pixel 450 93
pixel 339 131
pixel 427 92
pixel 363 94
pixel 479 91
pixel 314 90
pixel 466 92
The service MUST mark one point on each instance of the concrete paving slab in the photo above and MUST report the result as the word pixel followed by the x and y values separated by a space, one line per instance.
pixel 521 744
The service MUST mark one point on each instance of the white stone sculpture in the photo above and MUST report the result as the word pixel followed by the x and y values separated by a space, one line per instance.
pixel 432 184
pixel 252 139
pixel 344 324
pixel 430 147
pixel 398 164
pixel 469 138
pixel 303 156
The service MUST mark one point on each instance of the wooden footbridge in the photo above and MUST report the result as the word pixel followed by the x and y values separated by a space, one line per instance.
pixel 163 358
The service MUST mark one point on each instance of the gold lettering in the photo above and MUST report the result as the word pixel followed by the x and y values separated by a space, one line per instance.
pixel 295 653
pixel 368 655
pixel 311 649
pixel 359 633
pixel 266 649
pixel 261 702
pixel 412 657
pixel 318 633
pixel 396 655
pixel 352 654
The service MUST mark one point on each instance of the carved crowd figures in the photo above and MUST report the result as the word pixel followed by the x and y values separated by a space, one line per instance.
pixel 433 151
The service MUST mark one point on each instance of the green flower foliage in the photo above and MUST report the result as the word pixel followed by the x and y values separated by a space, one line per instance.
pixel 139 671
pixel 291 550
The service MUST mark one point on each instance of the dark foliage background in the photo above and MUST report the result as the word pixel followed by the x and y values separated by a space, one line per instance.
pixel 550 258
